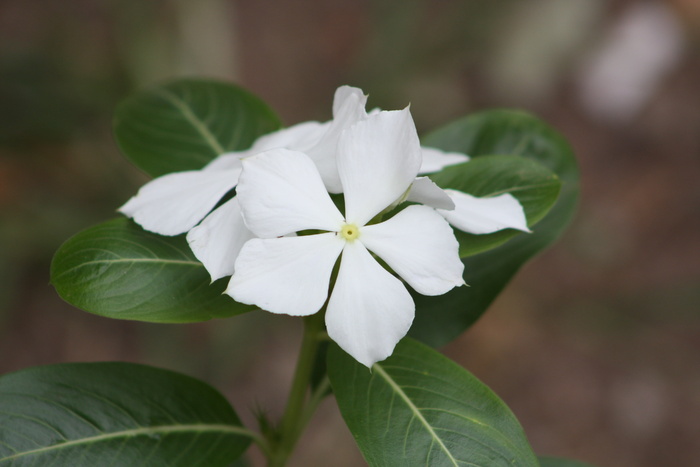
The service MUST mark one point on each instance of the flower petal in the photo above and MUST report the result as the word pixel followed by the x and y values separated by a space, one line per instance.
pixel 369 310
pixel 434 160
pixel 425 191
pixel 297 137
pixel 378 159
pixel 176 202
pixel 485 215
pixel 280 192
pixel 420 247
pixel 288 275
pixel 348 108
pixel 347 95
pixel 218 239
pixel 226 161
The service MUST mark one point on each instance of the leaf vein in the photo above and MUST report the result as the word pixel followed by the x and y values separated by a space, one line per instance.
pixel 144 431
pixel 415 410
pixel 194 120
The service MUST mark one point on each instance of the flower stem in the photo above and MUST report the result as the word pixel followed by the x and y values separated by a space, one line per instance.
pixel 293 420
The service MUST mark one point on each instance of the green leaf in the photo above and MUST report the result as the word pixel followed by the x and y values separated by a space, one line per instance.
pixel 440 319
pixel 118 270
pixel 419 408
pixel 557 462
pixel 532 184
pixel 184 124
pixel 115 414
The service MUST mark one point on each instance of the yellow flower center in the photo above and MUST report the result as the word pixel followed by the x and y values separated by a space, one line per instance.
pixel 350 232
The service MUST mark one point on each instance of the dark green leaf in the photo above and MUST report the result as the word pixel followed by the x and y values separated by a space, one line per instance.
pixel 118 270
pixel 507 132
pixel 115 414
pixel 183 124
pixel 420 408
pixel 557 462
pixel 532 184
pixel 441 319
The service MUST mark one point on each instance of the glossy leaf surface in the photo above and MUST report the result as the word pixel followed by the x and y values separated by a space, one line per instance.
pixel 114 414
pixel 183 124
pixel 419 408
pixel 118 270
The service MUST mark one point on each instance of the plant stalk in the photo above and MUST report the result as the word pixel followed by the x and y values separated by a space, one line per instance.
pixel 293 420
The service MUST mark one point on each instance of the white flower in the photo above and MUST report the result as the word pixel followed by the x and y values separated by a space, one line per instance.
pixel 369 309
pixel 175 203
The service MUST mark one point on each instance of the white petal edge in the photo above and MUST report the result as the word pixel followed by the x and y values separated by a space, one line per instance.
pixel 485 215
pixel 176 202
pixel 425 191
pixel 281 192
pixel 369 310
pixel 226 161
pixel 378 159
pixel 434 160
pixel 218 239
pixel 297 137
pixel 420 246
pixel 286 275
pixel 348 109
pixel 345 94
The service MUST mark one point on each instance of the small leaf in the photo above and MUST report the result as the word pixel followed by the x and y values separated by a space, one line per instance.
pixel 557 462
pixel 118 270
pixel 532 184
pixel 115 414
pixel 419 408
pixel 440 319
pixel 183 124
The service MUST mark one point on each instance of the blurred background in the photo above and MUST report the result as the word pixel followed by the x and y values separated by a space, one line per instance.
pixel 595 345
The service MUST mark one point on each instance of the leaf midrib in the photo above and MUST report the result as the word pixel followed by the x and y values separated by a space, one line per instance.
pixel 416 412
pixel 131 260
pixel 143 431
pixel 195 121
pixel 546 184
